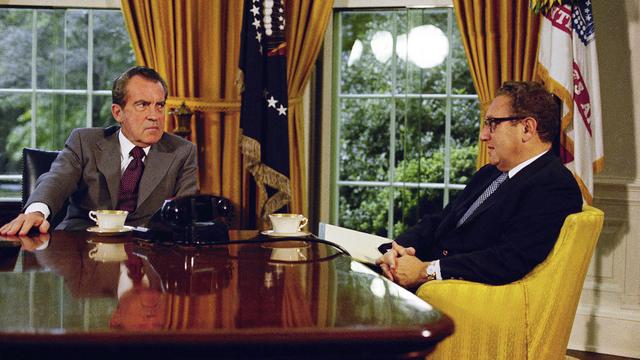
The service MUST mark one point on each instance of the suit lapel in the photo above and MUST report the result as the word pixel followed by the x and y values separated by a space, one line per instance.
pixel 156 166
pixel 508 186
pixel 108 163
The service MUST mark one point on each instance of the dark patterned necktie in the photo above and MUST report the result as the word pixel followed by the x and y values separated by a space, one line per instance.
pixel 128 195
pixel 484 196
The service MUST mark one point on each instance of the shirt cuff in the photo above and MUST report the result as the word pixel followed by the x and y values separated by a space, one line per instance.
pixel 434 267
pixel 38 206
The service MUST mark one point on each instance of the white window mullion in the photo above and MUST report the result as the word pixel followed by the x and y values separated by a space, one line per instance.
pixel 447 127
pixel 34 76
pixel 89 122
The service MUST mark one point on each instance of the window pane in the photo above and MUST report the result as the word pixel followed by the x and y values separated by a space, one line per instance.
pixel 15 122
pixel 363 69
pixel 62 49
pixel 420 141
pixel 422 51
pixel 15 48
pixel 364 145
pixel 364 209
pixel 102 111
pixel 57 116
pixel 411 204
pixel 112 51
pixel 461 81
pixel 465 126
pixel 10 188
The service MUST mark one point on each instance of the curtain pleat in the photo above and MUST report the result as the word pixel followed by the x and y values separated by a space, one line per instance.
pixel 500 39
pixel 307 22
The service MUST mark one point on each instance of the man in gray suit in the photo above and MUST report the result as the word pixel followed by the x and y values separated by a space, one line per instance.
pixel 88 171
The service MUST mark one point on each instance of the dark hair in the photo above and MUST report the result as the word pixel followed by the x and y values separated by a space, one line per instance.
pixel 529 98
pixel 119 90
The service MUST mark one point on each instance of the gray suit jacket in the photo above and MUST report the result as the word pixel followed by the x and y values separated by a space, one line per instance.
pixel 87 172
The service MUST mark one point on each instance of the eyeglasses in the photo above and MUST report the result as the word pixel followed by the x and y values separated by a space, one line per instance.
pixel 492 122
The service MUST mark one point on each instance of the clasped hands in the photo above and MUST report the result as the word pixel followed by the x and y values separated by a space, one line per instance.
pixel 400 264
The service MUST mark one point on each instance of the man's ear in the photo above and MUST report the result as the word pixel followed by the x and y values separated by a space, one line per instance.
pixel 116 111
pixel 529 128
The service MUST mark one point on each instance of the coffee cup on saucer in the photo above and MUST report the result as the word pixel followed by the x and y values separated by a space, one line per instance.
pixel 287 223
pixel 109 219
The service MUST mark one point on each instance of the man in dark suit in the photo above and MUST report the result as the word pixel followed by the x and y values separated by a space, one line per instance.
pixel 96 164
pixel 508 217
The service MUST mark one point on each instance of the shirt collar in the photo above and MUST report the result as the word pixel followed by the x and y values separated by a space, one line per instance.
pixel 126 146
pixel 524 164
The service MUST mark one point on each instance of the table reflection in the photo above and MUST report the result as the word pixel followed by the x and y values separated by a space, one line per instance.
pixel 140 286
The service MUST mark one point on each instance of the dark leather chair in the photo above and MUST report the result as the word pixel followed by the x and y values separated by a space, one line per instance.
pixel 36 162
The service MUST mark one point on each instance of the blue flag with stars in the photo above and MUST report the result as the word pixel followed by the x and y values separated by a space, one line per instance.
pixel 264 109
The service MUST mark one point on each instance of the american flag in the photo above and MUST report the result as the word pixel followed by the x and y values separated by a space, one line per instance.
pixel 568 66
pixel 264 109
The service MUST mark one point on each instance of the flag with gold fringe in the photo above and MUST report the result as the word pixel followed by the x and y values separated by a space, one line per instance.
pixel 568 66
pixel 263 116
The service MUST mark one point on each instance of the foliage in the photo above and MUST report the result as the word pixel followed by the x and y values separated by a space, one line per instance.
pixel 370 213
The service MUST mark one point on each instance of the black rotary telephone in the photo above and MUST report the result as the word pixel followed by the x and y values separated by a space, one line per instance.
pixel 190 220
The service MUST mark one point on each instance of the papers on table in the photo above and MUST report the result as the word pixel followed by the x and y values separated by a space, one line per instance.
pixel 363 247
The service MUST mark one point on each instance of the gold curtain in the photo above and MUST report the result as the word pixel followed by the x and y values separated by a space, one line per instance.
pixel 195 46
pixel 307 22
pixel 500 38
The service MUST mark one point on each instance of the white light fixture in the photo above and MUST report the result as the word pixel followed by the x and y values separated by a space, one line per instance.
pixel 356 52
pixel 426 47
pixel 382 46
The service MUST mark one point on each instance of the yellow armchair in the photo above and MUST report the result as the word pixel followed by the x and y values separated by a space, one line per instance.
pixel 528 319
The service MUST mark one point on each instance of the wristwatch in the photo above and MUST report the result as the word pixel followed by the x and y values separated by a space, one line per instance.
pixel 430 272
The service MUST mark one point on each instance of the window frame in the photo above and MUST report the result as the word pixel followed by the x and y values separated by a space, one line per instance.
pixel 332 90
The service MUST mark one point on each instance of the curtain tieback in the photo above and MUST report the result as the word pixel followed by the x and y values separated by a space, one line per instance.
pixel 216 105
pixel 205 104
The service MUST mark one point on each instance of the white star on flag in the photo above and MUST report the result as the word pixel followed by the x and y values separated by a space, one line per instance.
pixel 272 102
pixel 258 36
pixel 256 23
pixel 255 10
pixel 282 110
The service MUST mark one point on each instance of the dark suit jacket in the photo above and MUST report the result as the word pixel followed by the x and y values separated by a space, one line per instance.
pixel 87 172
pixel 509 234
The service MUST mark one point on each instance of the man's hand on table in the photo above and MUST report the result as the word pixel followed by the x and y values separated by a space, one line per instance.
pixel 24 222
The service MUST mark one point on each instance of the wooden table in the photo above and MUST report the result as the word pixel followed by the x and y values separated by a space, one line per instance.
pixel 78 295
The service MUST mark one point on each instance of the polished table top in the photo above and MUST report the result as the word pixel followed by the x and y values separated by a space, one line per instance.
pixel 253 296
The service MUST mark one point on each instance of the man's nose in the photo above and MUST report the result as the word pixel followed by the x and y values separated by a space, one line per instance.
pixel 485 134
pixel 155 114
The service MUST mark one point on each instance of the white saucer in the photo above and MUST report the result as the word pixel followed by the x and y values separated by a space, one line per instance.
pixel 293 234
pixel 110 232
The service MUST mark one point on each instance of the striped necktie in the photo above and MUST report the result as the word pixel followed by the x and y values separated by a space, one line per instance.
pixel 484 196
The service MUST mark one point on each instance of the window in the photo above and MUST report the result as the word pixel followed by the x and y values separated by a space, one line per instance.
pixel 406 117
pixel 56 71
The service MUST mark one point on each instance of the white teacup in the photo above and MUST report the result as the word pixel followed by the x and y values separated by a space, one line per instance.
pixel 106 252
pixel 287 223
pixel 109 219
